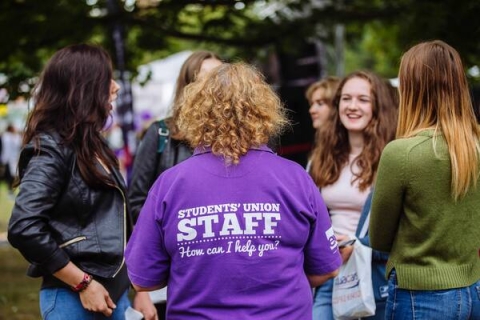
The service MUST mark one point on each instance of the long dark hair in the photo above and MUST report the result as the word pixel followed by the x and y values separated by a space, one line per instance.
pixel 72 99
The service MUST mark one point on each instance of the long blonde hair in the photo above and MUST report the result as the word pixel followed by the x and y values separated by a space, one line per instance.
pixel 434 94
pixel 230 110
pixel 329 85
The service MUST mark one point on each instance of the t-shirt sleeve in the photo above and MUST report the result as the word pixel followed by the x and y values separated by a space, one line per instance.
pixel 146 257
pixel 321 251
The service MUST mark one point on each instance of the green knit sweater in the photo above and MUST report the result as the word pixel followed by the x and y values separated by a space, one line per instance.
pixel 433 241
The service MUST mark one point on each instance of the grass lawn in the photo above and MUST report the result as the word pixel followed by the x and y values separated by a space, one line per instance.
pixel 6 204
pixel 18 293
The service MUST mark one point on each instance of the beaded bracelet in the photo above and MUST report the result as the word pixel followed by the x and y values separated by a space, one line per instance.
pixel 84 283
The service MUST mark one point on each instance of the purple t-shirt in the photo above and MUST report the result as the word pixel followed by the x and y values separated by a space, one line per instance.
pixel 233 242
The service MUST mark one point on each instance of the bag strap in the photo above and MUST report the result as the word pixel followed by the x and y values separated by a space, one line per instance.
pixel 364 229
pixel 163 134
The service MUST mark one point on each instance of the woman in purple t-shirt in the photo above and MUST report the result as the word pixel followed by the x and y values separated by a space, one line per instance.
pixel 236 231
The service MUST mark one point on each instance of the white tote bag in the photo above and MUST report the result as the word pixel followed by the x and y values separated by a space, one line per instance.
pixel 353 296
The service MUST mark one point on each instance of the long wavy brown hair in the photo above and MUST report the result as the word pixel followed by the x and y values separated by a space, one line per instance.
pixel 332 148
pixel 72 99
pixel 434 94
pixel 188 73
pixel 230 110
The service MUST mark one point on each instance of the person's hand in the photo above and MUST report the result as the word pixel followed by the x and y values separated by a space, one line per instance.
pixel 346 251
pixel 143 303
pixel 96 298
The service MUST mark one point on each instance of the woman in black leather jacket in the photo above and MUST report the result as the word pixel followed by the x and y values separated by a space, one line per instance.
pixel 70 219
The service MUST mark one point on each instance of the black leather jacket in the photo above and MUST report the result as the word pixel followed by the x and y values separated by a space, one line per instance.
pixel 149 164
pixel 58 218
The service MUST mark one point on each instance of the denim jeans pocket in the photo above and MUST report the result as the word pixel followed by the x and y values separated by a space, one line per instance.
pixel 48 298
pixel 392 278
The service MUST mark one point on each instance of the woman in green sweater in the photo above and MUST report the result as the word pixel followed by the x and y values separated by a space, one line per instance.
pixel 426 205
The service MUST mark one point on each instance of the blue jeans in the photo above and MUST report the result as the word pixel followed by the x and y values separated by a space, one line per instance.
pixel 63 303
pixel 451 304
pixel 322 302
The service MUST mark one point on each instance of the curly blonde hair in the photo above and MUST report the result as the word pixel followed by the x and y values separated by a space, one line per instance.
pixel 230 110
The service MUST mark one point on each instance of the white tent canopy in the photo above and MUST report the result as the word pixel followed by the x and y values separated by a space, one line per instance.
pixel 156 96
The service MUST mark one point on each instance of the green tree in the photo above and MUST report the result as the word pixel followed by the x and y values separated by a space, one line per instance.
pixel 377 31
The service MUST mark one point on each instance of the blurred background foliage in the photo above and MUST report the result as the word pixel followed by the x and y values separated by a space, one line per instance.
pixel 376 32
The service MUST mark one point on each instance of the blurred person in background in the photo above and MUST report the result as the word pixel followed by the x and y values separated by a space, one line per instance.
pixel 345 160
pixel 162 145
pixel 235 231
pixel 320 96
pixel 426 204
pixel 11 145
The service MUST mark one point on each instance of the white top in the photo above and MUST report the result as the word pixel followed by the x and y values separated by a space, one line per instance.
pixel 345 201
pixel 11 145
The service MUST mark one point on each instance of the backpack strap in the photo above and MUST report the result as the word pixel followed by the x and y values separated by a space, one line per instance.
pixel 163 134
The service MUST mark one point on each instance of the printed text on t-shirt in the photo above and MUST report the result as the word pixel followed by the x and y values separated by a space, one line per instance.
pixel 229 228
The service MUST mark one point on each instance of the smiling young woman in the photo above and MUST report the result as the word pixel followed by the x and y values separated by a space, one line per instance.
pixel 345 158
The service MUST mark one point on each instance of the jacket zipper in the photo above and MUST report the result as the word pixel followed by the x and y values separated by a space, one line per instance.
pixel 71 241
pixel 124 231
pixel 124 217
